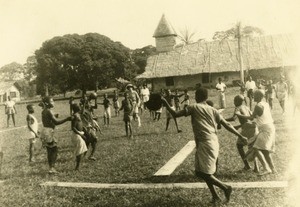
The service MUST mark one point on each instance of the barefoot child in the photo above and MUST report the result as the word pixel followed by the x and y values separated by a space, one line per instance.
pixel 264 143
pixel 107 112
pixel 78 135
pixel 249 129
pixel 32 125
pixel 116 103
pixel 49 121
pixel 127 106
pixel 204 122
pixel 170 99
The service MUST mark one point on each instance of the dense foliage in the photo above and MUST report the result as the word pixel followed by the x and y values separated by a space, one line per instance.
pixel 87 62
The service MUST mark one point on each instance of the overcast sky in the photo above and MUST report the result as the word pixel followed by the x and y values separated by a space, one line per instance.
pixel 26 24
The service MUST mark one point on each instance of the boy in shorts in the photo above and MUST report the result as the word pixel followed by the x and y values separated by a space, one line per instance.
pixel 50 121
pixel 127 106
pixel 32 125
pixel 78 135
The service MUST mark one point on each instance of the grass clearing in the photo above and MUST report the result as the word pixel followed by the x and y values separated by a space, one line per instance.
pixel 134 161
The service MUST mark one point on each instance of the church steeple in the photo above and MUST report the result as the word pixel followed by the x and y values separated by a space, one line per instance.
pixel 165 35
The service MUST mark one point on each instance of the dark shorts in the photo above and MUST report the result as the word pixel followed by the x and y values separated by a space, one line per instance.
pixel 90 137
pixel 250 93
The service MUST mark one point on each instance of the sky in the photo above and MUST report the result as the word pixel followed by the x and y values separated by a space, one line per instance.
pixel 26 24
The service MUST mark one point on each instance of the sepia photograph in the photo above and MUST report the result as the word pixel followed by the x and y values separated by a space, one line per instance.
pixel 161 103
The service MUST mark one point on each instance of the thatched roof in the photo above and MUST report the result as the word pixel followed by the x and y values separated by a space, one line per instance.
pixel 164 28
pixel 222 56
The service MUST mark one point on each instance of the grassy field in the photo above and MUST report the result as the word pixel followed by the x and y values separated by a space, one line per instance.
pixel 133 161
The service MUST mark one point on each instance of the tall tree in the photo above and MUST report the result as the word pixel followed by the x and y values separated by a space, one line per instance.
pixel 81 61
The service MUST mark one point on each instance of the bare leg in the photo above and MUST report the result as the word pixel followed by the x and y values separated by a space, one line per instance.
pixel 167 124
pixel 13 118
pixel 178 130
pixel 1 159
pixel 126 128
pixel 269 160
pixel 78 160
pixel 31 151
pixel 8 117
pixel 130 129
pixel 212 180
pixel 263 162
pixel 242 153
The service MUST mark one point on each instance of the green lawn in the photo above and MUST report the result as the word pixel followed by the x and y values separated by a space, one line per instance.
pixel 126 161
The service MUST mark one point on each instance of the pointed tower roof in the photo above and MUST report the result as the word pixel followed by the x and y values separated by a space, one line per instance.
pixel 164 28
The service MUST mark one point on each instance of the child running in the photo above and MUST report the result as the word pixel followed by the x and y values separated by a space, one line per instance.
pixel 32 125
pixel 264 144
pixel 204 122
pixel 78 135
pixel 249 129
pixel 49 121
pixel 127 106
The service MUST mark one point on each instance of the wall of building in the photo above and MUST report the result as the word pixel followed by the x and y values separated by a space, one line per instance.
pixel 13 92
pixel 165 44
pixel 229 78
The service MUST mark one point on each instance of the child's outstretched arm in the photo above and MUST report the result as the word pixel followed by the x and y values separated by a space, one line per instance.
pixel 174 113
pixel 231 129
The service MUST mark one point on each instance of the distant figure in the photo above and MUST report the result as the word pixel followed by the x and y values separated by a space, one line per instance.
pixel 145 93
pixel 170 99
pixel 177 100
pixel 127 106
pixel 221 87
pixel 135 99
pixel 186 100
pixel 282 92
pixel 107 112
pixel 116 103
pixel 270 93
pixel 250 87
pixel 32 125
pixel 10 110
pixel 71 101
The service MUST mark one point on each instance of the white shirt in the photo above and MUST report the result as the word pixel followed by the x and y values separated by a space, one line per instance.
pixel 221 87
pixel 145 93
pixel 250 85
pixel 266 117
pixel 10 104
